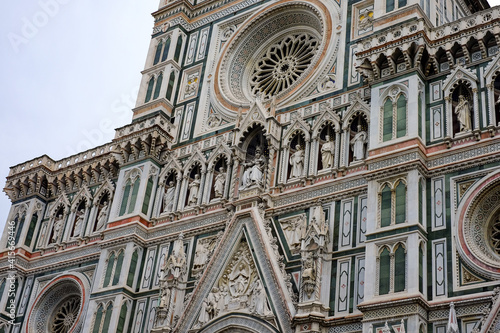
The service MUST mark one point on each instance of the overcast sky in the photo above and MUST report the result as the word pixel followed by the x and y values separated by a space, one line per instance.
pixel 67 67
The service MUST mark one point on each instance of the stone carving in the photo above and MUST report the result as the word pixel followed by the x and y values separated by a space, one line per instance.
pixel 213 120
pixel 194 187
pixel 358 144
pixel 254 171
pixel 57 229
pixel 327 152
pixel 172 271
pixel 463 114
pixel 238 289
pixel 77 230
pixel 294 231
pixel 102 217
pixel 191 85
pixel 297 163
pixel 204 250
pixel 168 198
pixel 327 83
pixel 365 20
pixel 220 181
pixel 308 273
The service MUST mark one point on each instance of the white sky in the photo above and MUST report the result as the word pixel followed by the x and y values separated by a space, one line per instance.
pixel 66 74
pixel 65 69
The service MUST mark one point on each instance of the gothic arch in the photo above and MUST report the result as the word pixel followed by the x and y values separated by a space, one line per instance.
pixel 239 323
pixel 106 187
pixel 83 194
pixel 297 127
pixel 329 117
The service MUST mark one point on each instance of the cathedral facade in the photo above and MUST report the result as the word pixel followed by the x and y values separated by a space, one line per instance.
pixel 291 166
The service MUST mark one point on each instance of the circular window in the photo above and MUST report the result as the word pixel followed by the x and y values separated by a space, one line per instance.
pixel 59 307
pixel 65 315
pixel 479 228
pixel 274 52
pixel 282 64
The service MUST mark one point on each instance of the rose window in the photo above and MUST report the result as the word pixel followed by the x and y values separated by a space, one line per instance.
pixel 495 235
pixel 282 64
pixel 65 315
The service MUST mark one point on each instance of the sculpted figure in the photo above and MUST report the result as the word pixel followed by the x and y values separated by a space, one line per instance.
pixel 463 114
pixel 102 217
pixel 255 170
pixel 57 229
pixel 294 231
pixel 327 151
pixel 358 144
pixel 194 187
pixel 168 199
pixel 220 181
pixel 259 299
pixel 297 162
pixel 78 223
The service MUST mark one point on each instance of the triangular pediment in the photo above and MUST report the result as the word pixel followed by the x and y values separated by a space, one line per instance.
pixel 242 281
pixel 328 116
pixel 298 125
pixel 359 107
pixel 459 73
pixel 492 68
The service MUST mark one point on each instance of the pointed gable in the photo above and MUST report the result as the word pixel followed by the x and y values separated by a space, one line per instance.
pixel 242 269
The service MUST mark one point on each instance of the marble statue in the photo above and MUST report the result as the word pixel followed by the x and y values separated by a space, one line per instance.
pixel 77 230
pixel 463 113
pixel 327 151
pixel 358 144
pixel 220 181
pixel 294 230
pixel 297 162
pixel 103 217
pixel 308 274
pixel 194 187
pixel 168 199
pixel 254 172
pixel 259 299
pixel 57 229
pixel 239 280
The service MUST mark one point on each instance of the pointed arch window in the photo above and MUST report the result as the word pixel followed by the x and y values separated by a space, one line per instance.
pixel 384 272
pixel 159 49
pixel 129 198
pixel 170 87
pixel 98 319
pixel 123 317
pixel 392 204
pixel 118 268
pixel 399 269
pixel 149 92
pixel 19 226
pixel 133 267
pixel 31 230
pixel 394 118
pixel 421 269
pixel 109 270
pixel 147 196
pixel 166 49
pixel 178 49
pixel 392 269
pixel 159 81
pixel 107 318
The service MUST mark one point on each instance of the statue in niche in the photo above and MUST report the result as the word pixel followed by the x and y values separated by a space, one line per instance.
pixel 462 111
pixel 297 162
pixel 358 144
pixel 258 304
pixel 165 294
pixel 168 198
pixel 254 172
pixel 194 187
pixel 204 250
pixel 308 274
pixel 220 181
pixel 327 151
pixel 78 223
pixel 102 217
pixel 175 266
pixel 57 228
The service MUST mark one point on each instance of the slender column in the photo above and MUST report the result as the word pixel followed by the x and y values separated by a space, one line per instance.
pixel 337 149
pixel 228 180
pixel 344 154
pixel 176 193
pixel 183 192
pixel 476 109
pixel 449 117
pixel 305 172
pixel 491 105
pixel 270 167
pixel 234 178
pixel 314 157
pixel 202 185
pixel 282 172
pixel 209 180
